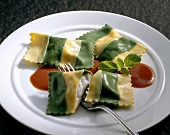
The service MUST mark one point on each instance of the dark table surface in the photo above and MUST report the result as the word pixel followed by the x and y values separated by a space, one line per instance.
pixel 15 13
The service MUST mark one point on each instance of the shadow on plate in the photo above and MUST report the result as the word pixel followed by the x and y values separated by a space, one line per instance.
pixel 27 65
pixel 40 102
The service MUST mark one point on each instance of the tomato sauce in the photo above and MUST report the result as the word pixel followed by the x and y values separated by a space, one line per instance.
pixel 39 78
pixel 95 68
pixel 142 76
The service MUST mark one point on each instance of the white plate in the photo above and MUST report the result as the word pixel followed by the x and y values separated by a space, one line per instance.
pixel 26 104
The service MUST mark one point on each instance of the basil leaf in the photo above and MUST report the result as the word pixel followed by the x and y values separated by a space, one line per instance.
pixel 124 70
pixel 120 62
pixel 108 66
pixel 132 59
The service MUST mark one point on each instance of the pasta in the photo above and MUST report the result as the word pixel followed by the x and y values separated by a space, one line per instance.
pixel 111 89
pixel 109 44
pixel 55 51
pixel 66 90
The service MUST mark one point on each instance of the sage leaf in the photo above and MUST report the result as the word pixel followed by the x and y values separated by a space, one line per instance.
pixel 124 70
pixel 132 59
pixel 120 63
pixel 108 66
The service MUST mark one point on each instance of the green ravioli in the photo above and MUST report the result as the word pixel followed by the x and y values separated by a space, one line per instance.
pixel 109 44
pixel 55 51
pixel 110 89
pixel 57 94
pixel 116 47
pixel 66 90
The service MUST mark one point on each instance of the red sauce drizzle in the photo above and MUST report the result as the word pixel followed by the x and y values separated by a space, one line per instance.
pixel 95 68
pixel 39 78
pixel 142 76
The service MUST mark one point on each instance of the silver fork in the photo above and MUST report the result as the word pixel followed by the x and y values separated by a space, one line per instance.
pixel 93 106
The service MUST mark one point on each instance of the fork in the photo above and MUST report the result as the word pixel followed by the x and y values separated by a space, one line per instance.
pixel 93 105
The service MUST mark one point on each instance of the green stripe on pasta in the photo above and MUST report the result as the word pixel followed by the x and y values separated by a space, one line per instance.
pixel 101 37
pixel 96 34
pixel 109 44
pixel 54 51
pixel 109 85
pixel 66 90
pixel 137 49
pixel 86 55
pixel 103 89
pixel 116 47
pixel 57 94
pixel 110 89
pixel 109 94
pixel 110 102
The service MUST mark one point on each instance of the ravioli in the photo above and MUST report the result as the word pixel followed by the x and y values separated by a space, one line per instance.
pixel 109 44
pixel 55 51
pixel 66 90
pixel 110 89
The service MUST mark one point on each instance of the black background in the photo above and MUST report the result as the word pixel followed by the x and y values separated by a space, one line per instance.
pixel 16 13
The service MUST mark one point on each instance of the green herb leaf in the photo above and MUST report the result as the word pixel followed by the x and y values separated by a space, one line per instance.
pixel 108 66
pixel 132 59
pixel 124 70
pixel 120 63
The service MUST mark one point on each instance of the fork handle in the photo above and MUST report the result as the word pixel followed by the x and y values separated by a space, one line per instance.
pixel 114 115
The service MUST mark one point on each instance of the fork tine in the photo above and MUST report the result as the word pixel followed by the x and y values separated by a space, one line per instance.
pixel 63 68
pixel 67 67
pixel 59 69
pixel 71 67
